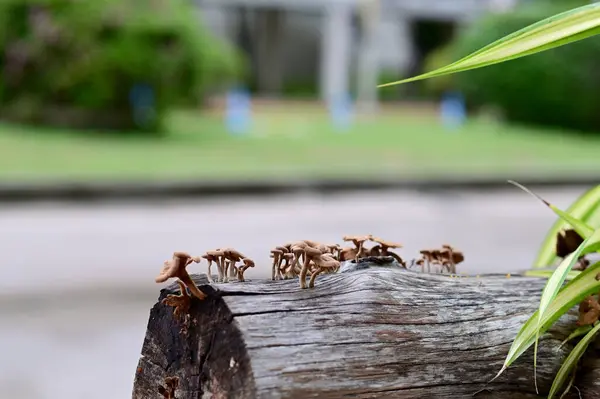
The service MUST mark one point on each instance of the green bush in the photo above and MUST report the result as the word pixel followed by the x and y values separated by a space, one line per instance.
pixel 74 63
pixel 558 87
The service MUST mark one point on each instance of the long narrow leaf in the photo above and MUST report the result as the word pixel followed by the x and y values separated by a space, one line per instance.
pixel 551 289
pixel 547 273
pixel 580 227
pixel 557 279
pixel 570 295
pixel 579 331
pixel 586 208
pixel 558 30
pixel 571 361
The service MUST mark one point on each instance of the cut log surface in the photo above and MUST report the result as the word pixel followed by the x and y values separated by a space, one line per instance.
pixel 373 332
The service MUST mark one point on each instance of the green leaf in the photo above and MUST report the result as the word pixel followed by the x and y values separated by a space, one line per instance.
pixel 579 331
pixel 571 361
pixel 557 278
pixel 570 295
pixel 558 30
pixel 546 273
pixel 551 289
pixel 579 226
pixel 586 208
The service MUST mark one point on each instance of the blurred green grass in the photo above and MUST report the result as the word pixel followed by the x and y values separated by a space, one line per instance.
pixel 290 143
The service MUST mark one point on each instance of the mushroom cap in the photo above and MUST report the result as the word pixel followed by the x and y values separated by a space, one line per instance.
pixel 196 259
pixel 276 251
pixel 326 261
pixel 216 252
pixel 457 256
pixel 333 246
pixel 358 239
pixel 311 243
pixel 300 244
pixel 312 252
pixel 322 247
pixel 233 254
pixel 181 254
pixel 283 248
pixel 567 242
pixel 288 255
pixel 387 244
pixel 248 262
pixel 426 252
pixel 173 267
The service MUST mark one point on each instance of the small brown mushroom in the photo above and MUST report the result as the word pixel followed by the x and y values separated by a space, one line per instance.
pixel 176 267
pixel 322 263
pixel 359 242
pixel 385 245
pixel 567 242
pixel 334 249
pixel 383 250
pixel 286 269
pixel 589 311
pixel 276 254
pixel 180 302
pixel 420 262
pixel 233 256
pixel 309 255
pixel 348 253
pixel 247 264
pixel 298 250
pixel 450 257
pixel 428 258
pixel 217 257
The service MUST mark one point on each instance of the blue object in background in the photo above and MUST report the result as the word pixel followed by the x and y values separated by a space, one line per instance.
pixel 141 99
pixel 452 110
pixel 238 113
pixel 341 111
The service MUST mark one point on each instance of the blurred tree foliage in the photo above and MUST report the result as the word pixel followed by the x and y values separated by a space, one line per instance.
pixel 557 88
pixel 74 63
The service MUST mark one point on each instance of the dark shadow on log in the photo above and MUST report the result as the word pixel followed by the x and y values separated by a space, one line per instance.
pixel 371 333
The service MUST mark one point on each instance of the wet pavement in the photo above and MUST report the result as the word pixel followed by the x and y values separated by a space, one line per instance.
pixel 78 280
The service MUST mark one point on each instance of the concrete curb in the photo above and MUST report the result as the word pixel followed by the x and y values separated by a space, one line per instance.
pixel 102 191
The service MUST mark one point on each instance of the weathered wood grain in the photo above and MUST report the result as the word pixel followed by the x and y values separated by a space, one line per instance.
pixel 372 333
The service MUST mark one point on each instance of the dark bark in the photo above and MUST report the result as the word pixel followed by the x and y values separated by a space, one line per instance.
pixel 371 333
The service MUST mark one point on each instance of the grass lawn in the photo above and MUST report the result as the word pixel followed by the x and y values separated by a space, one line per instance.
pixel 291 142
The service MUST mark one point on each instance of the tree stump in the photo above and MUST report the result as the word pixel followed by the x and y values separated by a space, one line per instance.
pixel 374 332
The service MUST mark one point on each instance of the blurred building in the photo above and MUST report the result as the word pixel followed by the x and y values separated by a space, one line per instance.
pixel 339 45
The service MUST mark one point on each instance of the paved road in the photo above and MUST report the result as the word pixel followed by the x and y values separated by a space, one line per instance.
pixel 60 344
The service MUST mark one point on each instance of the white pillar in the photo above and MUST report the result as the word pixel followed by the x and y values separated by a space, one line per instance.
pixel 368 60
pixel 335 50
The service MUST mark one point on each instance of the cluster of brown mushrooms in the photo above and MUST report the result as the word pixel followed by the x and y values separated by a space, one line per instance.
pixel 446 258
pixel 225 260
pixel 294 259
pixel 304 257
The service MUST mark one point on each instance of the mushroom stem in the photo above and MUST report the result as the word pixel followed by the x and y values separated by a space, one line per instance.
pixel 313 276
pixel 397 257
pixel 304 271
pixel 274 272
pixel 233 272
pixel 210 279
pixel 187 280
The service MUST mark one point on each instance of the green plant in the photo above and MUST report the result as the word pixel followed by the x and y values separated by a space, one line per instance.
pixel 557 297
pixel 70 62
pixel 568 69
